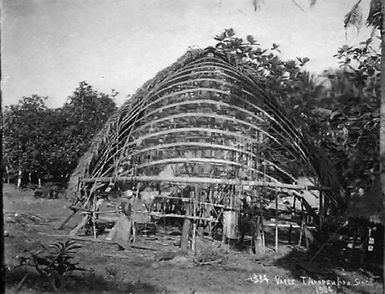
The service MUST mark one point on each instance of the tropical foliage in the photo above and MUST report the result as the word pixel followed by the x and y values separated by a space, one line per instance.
pixel 285 79
pixel 351 130
pixel 338 111
pixel 45 143
pixel 53 262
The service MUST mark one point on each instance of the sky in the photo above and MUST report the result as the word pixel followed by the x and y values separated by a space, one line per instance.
pixel 49 46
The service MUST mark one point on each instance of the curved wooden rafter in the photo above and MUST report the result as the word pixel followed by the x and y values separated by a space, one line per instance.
pixel 160 147
pixel 221 82
pixel 213 161
pixel 195 129
pixel 203 101
pixel 153 92
pixel 139 140
pixel 258 109
pixel 201 115
pixel 197 100
pixel 207 81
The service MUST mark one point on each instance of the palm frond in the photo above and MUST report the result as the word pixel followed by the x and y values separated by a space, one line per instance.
pixel 354 16
pixel 375 17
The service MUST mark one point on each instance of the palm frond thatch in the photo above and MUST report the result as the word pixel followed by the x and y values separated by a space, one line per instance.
pixel 101 139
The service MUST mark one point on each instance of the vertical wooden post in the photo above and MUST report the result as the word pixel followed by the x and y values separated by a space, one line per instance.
pixel 193 241
pixel 186 229
pixel 302 224
pixel 306 235
pixel 193 236
pixel 230 223
pixel 263 232
pixel 276 220
pixel 321 210
pixel 94 216
pixel 211 197
pixel 300 234
pixel 291 216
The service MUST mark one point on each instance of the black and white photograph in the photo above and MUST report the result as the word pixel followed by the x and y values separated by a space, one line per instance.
pixel 193 146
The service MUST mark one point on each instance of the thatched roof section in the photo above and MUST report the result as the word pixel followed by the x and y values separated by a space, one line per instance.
pixel 102 136
pixel 202 117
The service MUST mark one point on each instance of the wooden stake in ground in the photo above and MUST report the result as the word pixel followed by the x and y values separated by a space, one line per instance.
pixel 195 221
pixel 302 224
pixel 276 221
pixel 291 218
pixel 321 212
pixel 94 217
pixel 186 230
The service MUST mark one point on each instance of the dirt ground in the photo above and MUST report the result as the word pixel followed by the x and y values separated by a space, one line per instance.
pixel 30 222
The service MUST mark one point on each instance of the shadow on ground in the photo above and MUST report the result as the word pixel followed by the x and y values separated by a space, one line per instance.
pixel 332 269
pixel 84 282
pixel 344 273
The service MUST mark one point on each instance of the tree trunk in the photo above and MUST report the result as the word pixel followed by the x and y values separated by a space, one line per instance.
pixel 382 123
pixel 186 230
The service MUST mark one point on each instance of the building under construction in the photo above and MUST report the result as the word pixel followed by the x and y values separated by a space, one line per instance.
pixel 202 141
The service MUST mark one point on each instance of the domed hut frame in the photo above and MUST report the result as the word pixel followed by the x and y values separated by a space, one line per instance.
pixel 205 126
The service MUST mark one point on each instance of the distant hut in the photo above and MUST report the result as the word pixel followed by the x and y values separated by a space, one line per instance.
pixel 207 134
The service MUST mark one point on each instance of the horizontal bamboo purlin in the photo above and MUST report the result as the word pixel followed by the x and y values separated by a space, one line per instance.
pixel 204 124
pixel 200 180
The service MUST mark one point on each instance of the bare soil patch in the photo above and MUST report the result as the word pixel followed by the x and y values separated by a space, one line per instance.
pixel 30 222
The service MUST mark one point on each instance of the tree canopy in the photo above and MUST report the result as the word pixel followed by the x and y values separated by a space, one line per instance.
pixel 47 143
pixel 338 111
